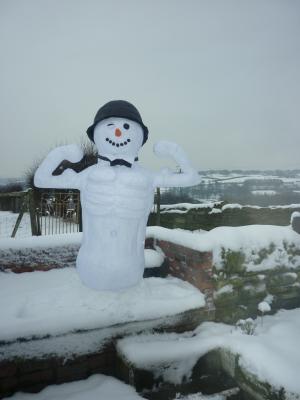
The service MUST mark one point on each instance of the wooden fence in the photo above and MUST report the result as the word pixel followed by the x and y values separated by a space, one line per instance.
pixel 25 202
pixel 50 211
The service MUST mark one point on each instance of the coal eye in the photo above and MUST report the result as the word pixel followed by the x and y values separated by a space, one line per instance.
pixel 109 124
pixel 126 126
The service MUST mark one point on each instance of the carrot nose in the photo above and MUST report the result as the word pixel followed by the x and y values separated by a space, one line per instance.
pixel 118 132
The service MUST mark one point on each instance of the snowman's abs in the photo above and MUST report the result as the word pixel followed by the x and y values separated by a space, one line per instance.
pixel 115 207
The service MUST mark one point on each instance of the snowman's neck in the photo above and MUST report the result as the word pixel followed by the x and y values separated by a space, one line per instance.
pixel 124 160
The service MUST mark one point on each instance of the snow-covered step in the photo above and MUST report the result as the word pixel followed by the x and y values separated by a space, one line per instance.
pixel 263 363
pixel 57 330
pixel 95 387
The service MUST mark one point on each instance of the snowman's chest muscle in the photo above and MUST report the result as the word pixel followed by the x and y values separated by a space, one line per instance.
pixel 117 191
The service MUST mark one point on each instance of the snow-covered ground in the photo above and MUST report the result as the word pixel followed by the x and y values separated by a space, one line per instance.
pixel 272 353
pixel 232 177
pixel 56 302
pixel 101 387
pixel 95 387
pixel 7 222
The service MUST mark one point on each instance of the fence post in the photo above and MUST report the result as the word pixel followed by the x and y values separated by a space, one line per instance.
pixel 158 206
pixel 33 214
pixel 21 213
pixel 79 214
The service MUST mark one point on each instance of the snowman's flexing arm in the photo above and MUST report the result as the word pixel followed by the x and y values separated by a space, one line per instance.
pixel 69 179
pixel 166 178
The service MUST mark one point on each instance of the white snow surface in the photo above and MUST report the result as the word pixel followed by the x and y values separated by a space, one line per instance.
pixel 264 307
pixel 264 192
pixel 189 206
pixel 153 258
pixel 272 353
pixel 56 302
pixel 249 239
pixel 8 220
pixel 41 241
pixel 294 215
pixel 185 207
pixel 95 387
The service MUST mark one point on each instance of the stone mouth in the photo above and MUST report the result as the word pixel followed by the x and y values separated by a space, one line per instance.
pixel 118 144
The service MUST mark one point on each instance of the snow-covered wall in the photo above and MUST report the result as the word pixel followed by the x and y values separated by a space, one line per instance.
pixel 237 267
pixel 211 215
pixel 39 252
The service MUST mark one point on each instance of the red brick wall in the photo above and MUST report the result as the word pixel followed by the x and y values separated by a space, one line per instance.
pixel 189 265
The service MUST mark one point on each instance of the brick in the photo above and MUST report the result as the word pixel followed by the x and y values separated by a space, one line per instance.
pixel 37 377
pixel 34 365
pixel 96 363
pixel 149 243
pixel 9 384
pixel 20 270
pixel 35 388
pixel 71 373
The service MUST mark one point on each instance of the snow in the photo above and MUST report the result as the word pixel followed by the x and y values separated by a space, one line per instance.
pixel 104 387
pixel 153 258
pixel 199 396
pixel 264 307
pixel 56 302
pixel 189 206
pixel 249 239
pixel 230 178
pixel 8 220
pixel 95 387
pixel 116 199
pixel 215 211
pixel 295 214
pixel 272 353
pixel 185 207
pixel 224 289
pixel 231 206
pixel 41 241
pixel 264 192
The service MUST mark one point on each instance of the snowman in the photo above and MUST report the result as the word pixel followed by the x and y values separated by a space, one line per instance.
pixel 116 194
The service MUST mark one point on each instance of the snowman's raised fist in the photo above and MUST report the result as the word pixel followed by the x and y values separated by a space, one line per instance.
pixel 70 152
pixel 164 148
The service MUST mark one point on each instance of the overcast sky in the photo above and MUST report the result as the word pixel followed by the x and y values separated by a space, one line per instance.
pixel 220 77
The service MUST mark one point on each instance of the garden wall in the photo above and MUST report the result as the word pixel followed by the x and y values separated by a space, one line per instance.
pixel 232 291
pixel 236 281
pixel 211 216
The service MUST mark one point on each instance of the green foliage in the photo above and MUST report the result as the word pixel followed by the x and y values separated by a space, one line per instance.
pixel 233 262
pixel 264 253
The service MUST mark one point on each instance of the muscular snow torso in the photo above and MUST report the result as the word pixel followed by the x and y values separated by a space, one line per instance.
pixel 116 202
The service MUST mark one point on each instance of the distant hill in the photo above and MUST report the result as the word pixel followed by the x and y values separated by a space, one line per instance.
pixel 12 181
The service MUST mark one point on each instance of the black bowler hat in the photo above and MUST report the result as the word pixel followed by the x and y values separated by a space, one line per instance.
pixel 121 109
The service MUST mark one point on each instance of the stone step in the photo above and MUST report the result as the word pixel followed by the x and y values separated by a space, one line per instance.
pixel 32 364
